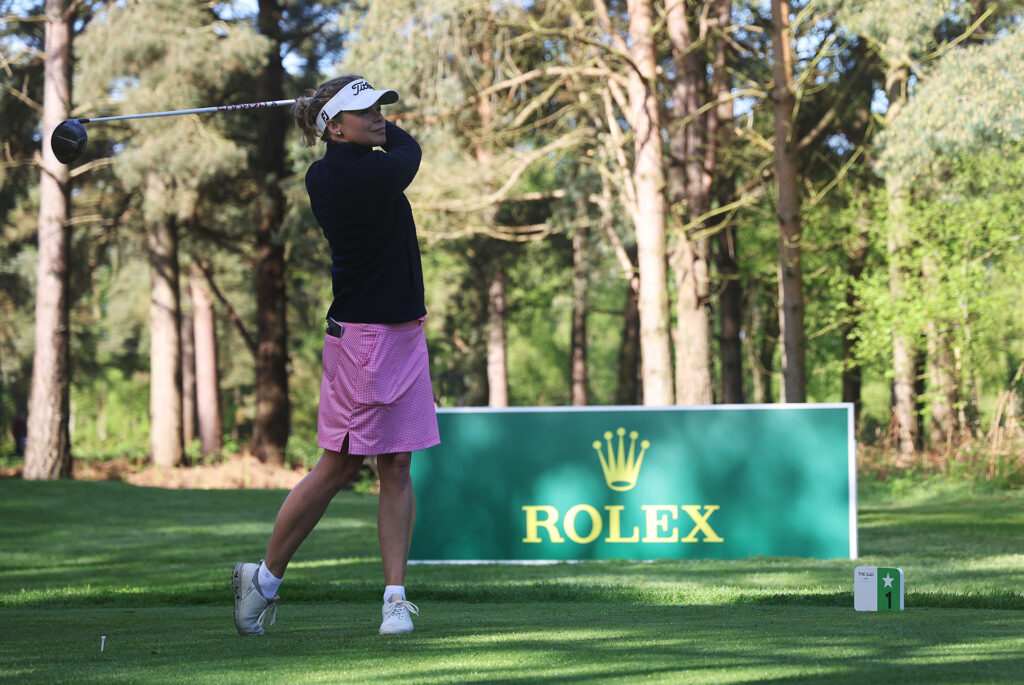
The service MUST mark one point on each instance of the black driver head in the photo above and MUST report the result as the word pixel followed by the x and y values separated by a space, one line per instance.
pixel 68 140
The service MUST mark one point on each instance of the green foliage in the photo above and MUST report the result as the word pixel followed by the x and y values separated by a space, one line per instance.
pixel 178 55
pixel 446 53
pixel 955 147
pixel 965 220
pixel 901 32
pixel 302 451
pixel 111 416
pixel 21 39
pixel 974 469
pixel 970 102
pixel 17 278
pixel 539 327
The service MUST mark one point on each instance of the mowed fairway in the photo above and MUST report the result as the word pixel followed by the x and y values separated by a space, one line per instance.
pixel 150 569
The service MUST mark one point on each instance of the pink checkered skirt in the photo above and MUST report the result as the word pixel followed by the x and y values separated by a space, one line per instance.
pixel 376 390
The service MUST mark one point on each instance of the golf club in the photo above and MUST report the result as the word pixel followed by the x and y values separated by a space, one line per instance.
pixel 69 138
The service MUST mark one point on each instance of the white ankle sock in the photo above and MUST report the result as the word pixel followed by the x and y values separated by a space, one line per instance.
pixel 394 590
pixel 267 581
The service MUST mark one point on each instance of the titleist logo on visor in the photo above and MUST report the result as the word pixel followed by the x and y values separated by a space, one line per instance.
pixel 353 97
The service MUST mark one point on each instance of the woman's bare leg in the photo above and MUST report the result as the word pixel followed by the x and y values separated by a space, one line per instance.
pixel 395 514
pixel 306 504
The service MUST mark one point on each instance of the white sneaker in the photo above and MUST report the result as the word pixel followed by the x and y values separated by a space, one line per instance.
pixel 251 609
pixel 396 617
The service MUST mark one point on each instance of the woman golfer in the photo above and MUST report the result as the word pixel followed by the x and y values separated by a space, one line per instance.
pixel 375 395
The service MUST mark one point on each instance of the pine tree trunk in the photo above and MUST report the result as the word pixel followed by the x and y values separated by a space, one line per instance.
pixel 211 429
pixel 730 299
pixel 578 352
pixel 761 350
pixel 791 304
pixel 273 407
pixel 943 383
pixel 628 389
pixel 48 452
pixel 693 330
pixel 649 179
pixel 898 246
pixel 272 424
pixel 690 182
pixel 730 306
pixel 943 398
pixel 497 365
pixel 851 366
pixel 188 379
pixel 497 340
pixel 165 432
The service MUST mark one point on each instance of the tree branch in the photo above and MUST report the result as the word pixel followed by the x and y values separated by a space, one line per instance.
pixel 524 163
pixel 19 95
pixel 232 314
pixel 510 234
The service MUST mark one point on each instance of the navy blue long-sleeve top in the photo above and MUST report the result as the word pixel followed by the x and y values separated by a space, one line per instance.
pixel 357 195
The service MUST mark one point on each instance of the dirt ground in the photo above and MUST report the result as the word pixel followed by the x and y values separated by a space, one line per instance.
pixel 236 471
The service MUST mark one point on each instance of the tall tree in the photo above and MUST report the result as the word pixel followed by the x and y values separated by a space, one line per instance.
pixel 22 42
pixel 690 178
pixel 962 107
pixel 904 354
pixel 48 454
pixel 791 297
pixel 857 126
pixel 472 92
pixel 903 36
pixel 649 175
pixel 165 403
pixel 642 185
pixel 852 377
pixel 172 67
pixel 482 54
pixel 273 407
pixel 497 363
pixel 188 372
pixel 208 412
pixel 947 418
pixel 721 138
pixel 578 349
pixel 762 317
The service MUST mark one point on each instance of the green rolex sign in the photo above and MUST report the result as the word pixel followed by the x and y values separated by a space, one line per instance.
pixel 722 482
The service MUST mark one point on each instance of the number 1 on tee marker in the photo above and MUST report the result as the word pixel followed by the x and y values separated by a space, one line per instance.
pixel 877 589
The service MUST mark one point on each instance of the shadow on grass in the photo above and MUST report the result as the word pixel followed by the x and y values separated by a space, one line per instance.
pixel 578 641
pixel 69 544
pixel 150 569
pixel 485 594
pixel 523 642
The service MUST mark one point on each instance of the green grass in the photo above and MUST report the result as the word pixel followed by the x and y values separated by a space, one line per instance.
pixel 150 569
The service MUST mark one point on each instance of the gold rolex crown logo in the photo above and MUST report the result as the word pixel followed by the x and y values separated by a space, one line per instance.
pixel 621 467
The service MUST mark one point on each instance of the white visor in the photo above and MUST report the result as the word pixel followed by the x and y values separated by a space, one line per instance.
pixel 353 97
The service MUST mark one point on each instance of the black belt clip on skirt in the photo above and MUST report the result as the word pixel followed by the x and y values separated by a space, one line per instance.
pixel 334 328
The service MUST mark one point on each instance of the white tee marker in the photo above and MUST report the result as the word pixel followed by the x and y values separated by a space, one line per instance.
pixel 877 588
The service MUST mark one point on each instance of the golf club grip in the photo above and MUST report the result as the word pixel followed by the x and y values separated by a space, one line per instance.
pixel 199 110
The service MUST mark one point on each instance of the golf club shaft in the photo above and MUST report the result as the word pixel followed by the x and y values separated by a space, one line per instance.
pixel 200 110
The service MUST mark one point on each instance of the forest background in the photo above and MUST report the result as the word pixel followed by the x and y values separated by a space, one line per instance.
pixel 644 202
